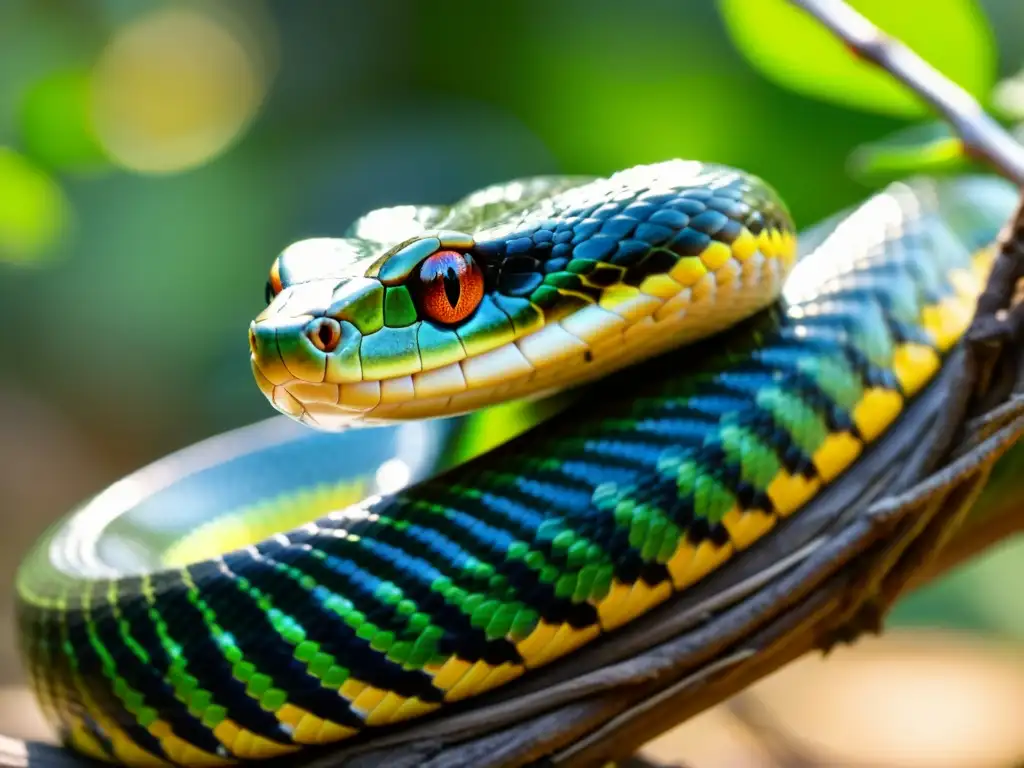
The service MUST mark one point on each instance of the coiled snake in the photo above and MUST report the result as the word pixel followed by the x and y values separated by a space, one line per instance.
pixel 193 614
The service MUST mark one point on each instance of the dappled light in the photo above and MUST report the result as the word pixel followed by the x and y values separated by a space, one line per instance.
pixel 175 88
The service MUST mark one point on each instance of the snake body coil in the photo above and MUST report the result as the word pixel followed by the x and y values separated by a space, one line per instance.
pixel 389 608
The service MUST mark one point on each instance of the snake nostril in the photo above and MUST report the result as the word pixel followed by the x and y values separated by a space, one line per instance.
pixel 325 333
pixel 252 340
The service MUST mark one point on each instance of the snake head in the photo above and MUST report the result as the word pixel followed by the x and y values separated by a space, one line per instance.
pixel 348 331
pixel 562 280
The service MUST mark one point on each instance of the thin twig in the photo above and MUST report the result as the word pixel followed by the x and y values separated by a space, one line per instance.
pixel 760 723
pixel 982 136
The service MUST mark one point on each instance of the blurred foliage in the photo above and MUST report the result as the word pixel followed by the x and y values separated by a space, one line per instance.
pixel 1008 97
pixel 926 148
pixel 32 210
pixel 963 49
pixel 791 48
pixel 176 87
pixel 981 594
pixel 190 142
pixel 56 129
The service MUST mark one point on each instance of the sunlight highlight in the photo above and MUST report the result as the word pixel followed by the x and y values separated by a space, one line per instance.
pixel 175 89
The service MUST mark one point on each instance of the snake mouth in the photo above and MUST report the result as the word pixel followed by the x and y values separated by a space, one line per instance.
pixel 322 369
pixel 333 353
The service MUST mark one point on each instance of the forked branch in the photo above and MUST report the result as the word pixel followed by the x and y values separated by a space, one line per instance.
pixel 983 137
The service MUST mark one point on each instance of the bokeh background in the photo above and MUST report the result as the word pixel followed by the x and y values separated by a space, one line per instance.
pixel 155 156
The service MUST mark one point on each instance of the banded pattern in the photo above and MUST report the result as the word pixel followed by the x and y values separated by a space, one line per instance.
pixel 585 279
pixel 388 609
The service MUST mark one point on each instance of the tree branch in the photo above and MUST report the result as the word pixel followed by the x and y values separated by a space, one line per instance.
pixel 983 137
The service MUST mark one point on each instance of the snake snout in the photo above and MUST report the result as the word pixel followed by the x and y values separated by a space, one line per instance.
pixel 304 366
pixel 265 356
pixel 300 361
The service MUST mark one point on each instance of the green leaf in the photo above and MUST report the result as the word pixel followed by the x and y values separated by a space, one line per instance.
pixel 33 211
pixel 792 49
pixel 932 148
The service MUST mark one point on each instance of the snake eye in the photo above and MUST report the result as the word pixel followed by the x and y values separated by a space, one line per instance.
pixel 325 333
pixel 274 285
pixel 451 286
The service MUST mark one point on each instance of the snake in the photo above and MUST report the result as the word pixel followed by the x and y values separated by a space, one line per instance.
pixel 248 599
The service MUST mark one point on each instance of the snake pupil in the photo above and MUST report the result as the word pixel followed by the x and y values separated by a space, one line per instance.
pixel 268 293
pixel 452 287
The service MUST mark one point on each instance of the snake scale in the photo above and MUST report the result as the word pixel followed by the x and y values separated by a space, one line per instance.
pixel 384 609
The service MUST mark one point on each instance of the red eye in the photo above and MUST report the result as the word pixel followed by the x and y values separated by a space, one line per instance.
pixel 452 286
pixel 274 285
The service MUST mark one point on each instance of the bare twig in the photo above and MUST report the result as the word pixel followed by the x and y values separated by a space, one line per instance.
pixel 759 722
pixel 981 135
